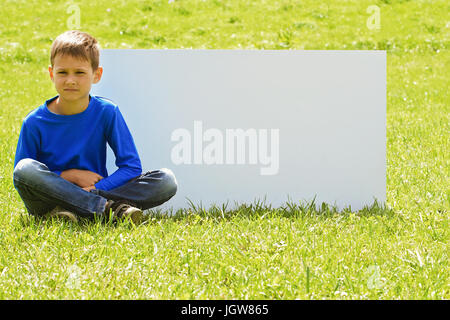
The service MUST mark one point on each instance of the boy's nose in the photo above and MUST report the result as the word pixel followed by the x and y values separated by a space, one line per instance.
pixel 70 80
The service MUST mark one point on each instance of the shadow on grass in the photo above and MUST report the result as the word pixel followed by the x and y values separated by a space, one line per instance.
pixel 260 210
pixel 196 214
pixel 83 224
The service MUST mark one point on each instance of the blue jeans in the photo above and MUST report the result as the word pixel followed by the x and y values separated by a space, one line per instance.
pixel 42 190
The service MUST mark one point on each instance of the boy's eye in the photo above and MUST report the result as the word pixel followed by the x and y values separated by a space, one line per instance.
pixel 64 72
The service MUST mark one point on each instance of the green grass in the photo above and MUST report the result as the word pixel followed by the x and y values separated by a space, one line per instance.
pixel 396 250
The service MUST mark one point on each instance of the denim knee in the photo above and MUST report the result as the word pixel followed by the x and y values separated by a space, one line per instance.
pixel 27 169
pixel 170 182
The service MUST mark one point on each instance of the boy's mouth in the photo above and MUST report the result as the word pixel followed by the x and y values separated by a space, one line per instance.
pixel 70 89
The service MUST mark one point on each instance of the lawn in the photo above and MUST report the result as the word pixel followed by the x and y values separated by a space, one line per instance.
pixel 395 250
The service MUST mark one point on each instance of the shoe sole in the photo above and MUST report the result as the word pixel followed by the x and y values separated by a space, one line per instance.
pixel 69 216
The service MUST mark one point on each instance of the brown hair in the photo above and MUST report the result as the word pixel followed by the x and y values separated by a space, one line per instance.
pixel 77 44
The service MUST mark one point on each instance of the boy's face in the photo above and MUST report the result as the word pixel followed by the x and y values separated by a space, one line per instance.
pixel 73 77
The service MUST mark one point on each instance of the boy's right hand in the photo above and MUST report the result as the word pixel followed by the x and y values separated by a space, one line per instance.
pixel 82 178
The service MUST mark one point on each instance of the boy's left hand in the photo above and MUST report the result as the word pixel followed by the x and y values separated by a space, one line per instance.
pixel 82 178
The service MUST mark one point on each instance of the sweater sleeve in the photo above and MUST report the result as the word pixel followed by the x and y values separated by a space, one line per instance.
pixel 127 159
pixel 28 143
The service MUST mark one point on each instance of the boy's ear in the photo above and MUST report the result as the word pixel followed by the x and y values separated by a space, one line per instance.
pixel 50 71
pixel 98 74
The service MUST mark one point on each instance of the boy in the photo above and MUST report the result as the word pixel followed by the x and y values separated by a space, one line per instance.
pixel 60 163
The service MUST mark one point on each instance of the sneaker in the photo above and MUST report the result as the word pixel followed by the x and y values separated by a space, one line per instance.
pixel 121 211
pixel 62 213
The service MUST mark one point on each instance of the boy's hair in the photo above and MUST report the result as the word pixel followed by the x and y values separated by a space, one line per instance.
pixel 76 44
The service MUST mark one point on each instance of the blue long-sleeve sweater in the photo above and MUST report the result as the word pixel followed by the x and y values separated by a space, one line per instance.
pixel 78 141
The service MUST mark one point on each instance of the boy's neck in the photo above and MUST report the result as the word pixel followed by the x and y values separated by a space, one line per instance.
pixel 64 107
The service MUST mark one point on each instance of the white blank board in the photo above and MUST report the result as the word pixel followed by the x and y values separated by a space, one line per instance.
pixel 242 126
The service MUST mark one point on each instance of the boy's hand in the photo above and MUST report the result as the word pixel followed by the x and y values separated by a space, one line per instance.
pixel 82 178
pixel 89 188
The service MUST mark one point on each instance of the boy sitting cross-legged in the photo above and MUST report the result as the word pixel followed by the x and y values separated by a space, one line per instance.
pixel 60 162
